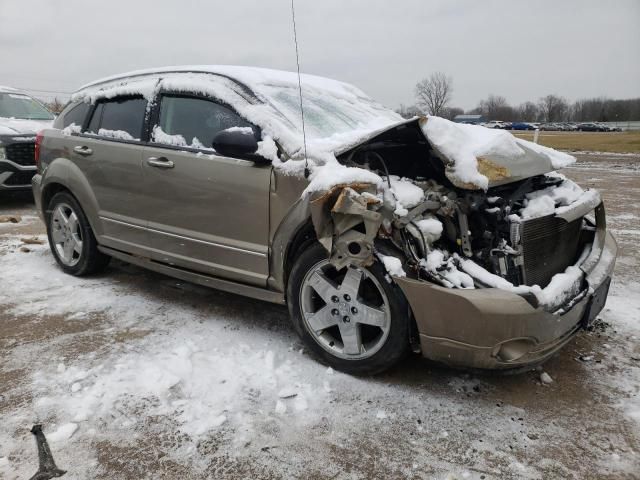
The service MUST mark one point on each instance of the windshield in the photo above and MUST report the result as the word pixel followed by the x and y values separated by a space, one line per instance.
pixel 327 114
pixel 18 105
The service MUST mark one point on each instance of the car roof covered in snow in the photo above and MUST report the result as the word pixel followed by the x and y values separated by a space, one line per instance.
pixel 336 113
pixel 252 77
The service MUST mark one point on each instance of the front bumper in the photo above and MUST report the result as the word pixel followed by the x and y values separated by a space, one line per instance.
pixel 17 165
pixel 14 176
pixel 496 329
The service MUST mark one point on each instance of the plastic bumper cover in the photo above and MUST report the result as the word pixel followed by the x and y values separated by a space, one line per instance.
pixel 10 171
pixel 496 329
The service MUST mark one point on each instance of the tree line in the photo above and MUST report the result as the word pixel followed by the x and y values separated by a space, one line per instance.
pixel 434 94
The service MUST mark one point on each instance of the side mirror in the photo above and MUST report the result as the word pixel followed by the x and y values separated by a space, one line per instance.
pixel 235 142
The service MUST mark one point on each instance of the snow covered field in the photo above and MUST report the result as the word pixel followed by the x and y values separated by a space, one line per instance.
pixel 136 375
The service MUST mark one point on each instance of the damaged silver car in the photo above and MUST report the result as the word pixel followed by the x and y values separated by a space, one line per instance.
pixel 382 235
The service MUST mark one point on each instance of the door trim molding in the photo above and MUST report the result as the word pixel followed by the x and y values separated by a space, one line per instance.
pixel 191 239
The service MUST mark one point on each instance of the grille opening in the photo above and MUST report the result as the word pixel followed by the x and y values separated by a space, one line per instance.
pixel 19 178
pixel 21 153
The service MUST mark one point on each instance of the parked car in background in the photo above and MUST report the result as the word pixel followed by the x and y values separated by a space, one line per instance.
pixel 522 126
pixel 591 127
pixel 496 124
pixel 197 172
pixel 557 127
pixel 21 117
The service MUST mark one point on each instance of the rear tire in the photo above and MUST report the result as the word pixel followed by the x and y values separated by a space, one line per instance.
pixel 354 320
pixel 71 239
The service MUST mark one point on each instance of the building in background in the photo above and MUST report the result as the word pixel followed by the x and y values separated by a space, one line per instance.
pixel 469 119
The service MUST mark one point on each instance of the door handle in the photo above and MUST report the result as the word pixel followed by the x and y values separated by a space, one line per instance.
pixel 82 150
pixel 160 162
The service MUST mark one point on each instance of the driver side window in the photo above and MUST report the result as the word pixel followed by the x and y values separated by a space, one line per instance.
pixel 194 122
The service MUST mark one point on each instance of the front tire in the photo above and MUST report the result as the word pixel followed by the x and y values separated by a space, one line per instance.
pixel 354 319
pixel 71 239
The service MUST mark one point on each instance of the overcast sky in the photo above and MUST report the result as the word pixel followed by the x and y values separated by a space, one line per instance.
pixel 521 50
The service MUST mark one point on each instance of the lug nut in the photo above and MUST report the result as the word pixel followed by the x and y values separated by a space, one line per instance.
pixel 335 312
pixel 347 297
pixel 346 319
pixel 354 310
pixel 335 299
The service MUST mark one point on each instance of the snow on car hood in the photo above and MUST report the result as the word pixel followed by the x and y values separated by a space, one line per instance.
pixel 476 157
pixel 18 126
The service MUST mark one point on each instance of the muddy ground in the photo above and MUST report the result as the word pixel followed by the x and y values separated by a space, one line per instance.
pixel 420 420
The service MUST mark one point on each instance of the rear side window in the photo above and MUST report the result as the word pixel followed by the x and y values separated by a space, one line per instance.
pixel 193 122
pixel 120 118
pixel 74 114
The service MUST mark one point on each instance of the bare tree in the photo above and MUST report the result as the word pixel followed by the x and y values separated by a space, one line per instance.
pixel 528 112
pixel 553 108
pixel 55 106
pixel 434 93
pixel 451 112
pixel 496 107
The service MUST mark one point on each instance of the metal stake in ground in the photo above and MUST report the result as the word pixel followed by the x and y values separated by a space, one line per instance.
pixel 47 469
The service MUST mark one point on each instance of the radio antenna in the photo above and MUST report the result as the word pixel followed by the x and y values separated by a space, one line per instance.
pixel 304 133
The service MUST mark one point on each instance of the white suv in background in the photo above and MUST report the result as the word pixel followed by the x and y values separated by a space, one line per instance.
pixel 495 124
pixel 21 117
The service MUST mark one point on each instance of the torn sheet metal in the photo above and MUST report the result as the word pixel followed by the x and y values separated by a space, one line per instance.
pixel 336 214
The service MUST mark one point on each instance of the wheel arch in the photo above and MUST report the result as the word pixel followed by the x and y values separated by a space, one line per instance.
pixel 294 228
pixel 304 236
pixel 64 175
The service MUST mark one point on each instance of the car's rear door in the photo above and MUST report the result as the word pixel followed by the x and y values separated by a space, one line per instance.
pixel 109 153
pixel 208 212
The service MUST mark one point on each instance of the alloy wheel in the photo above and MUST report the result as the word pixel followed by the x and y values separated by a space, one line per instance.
pixel 66 234
pixel 345 311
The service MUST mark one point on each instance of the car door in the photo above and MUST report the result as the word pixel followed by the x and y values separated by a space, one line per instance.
pixel 207 212
pixel 109 152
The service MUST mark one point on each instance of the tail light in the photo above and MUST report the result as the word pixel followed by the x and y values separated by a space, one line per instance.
pixel 36 151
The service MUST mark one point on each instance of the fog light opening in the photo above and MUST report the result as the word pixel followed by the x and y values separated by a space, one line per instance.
pixel 513 349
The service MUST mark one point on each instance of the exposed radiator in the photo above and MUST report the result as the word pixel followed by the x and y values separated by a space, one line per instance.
pixel 549 246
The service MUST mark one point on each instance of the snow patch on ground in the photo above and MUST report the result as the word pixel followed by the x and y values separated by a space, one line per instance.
pixel 220 376
pixel 63 432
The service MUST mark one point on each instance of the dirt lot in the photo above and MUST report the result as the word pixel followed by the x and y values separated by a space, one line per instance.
pixel 617 142
pixel 135 375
